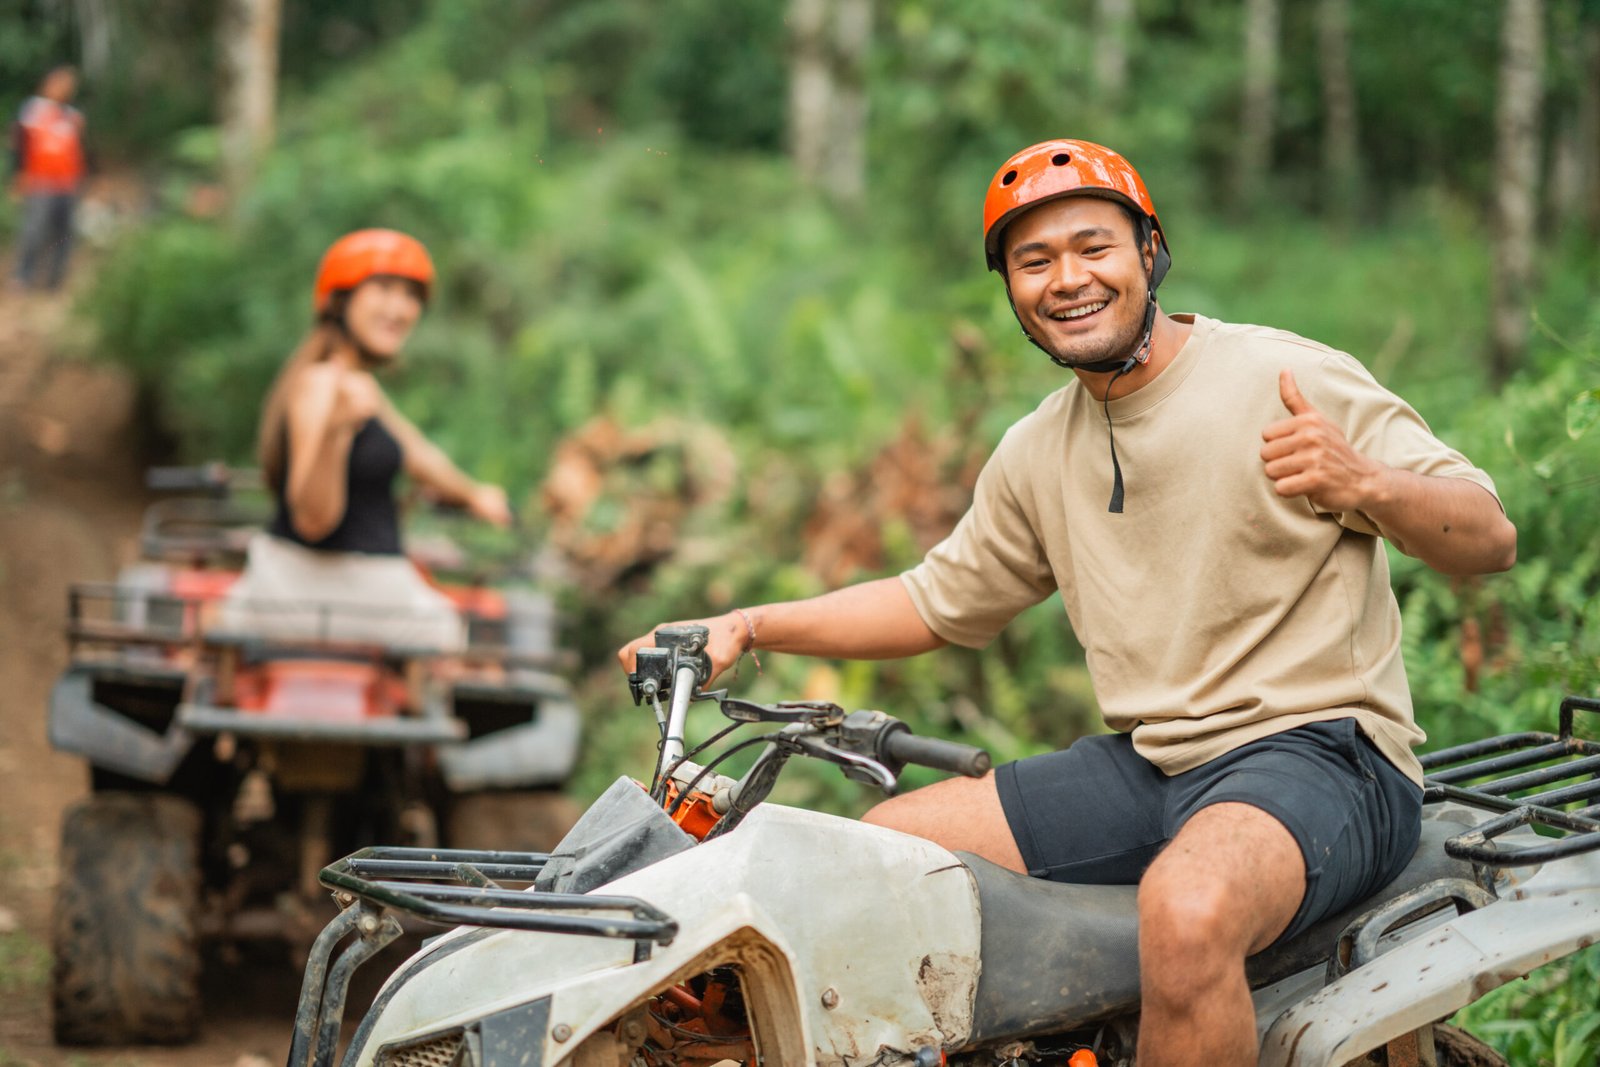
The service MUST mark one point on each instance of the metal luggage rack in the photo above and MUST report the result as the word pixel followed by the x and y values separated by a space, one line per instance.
pixel 1523 763
pixel 459 887
pixel 448 887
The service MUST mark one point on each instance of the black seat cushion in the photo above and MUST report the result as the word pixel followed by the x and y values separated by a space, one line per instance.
pixel 1057 956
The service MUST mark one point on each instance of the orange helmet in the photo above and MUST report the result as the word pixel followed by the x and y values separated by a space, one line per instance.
pixel 355 257
pixel 1053 169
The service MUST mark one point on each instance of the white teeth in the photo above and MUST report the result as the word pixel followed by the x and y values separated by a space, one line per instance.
pixel 1078 313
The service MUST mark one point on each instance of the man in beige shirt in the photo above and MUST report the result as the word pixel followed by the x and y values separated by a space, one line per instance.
pixel 1209 500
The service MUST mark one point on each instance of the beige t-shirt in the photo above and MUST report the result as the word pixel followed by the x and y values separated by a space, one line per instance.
pixel 1214 612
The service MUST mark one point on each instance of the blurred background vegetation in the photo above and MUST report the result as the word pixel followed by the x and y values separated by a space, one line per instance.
pixel 720 263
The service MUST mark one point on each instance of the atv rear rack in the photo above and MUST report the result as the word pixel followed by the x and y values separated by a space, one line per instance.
pixel 449 887
pixel 1522 763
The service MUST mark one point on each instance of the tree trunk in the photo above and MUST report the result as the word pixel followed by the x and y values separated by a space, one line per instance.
pixel 97 32
pixel 828 95
pixel 248 49
pixel 1516 182
pixel 1589 128
pixel 1341 166
pixel 1113 32
pixel 845 175
pixel 1260 96
pixel 1563 185
pixel 1574 183
pixel 810 88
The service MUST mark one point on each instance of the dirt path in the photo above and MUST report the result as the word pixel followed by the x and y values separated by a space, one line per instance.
pixel 70 500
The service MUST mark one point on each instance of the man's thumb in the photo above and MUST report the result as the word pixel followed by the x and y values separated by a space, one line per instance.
pixel 1290 392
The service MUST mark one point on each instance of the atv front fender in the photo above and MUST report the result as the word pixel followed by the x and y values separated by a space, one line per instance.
pixel 84 727
pixel 536 754
pixel 595 981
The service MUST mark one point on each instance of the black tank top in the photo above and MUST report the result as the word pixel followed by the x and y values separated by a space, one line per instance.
pixel 371 523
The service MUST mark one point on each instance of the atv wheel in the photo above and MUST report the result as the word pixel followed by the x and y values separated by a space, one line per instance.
pixel 127 959
pixel 1457 1048
pixel 524 821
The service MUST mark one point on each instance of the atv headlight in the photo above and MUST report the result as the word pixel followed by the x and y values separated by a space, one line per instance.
pixel 510 1038
pixel 449 1049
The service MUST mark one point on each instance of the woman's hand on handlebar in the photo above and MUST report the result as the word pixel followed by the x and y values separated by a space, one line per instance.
pixel 728 639
pixel 489 503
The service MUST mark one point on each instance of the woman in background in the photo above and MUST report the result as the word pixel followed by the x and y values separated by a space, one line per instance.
pixel 330 447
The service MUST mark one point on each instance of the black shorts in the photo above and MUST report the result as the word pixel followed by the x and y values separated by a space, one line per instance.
pixel 1098 812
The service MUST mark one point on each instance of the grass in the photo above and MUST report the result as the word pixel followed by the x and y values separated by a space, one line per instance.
pixel 24 964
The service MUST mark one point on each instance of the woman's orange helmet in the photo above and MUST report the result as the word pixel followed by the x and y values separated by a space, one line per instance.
pixel 1053 169
pixel 355 257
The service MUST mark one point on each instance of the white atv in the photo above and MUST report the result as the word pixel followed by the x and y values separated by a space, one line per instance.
pixel 682 924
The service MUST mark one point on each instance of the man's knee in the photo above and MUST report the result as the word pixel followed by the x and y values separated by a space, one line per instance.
pixel 1187 917
pixel 1226 886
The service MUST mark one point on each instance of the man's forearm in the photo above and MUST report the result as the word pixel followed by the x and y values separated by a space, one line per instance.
pixel 873 620
pixel 1453 525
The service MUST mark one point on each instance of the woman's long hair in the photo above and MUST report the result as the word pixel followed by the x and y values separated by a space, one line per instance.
pixel 327 336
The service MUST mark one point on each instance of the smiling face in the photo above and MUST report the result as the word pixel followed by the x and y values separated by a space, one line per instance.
pixel 381 314
pixel 1078 278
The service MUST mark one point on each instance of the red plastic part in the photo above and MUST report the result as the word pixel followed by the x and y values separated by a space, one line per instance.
pixel 321 690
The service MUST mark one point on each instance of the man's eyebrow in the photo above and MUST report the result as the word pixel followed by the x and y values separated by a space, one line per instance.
pixel 1085 234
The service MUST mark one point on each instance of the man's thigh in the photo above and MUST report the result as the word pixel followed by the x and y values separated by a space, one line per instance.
pixel 960 814
pixel 1354 818
pixel 1233 871
pixel 1093 813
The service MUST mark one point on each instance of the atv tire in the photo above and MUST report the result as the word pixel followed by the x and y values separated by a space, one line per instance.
pixel 1457 1048
pixel 533 820
pixel 127 953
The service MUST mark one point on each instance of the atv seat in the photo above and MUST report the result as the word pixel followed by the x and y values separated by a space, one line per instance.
pixel 1057 956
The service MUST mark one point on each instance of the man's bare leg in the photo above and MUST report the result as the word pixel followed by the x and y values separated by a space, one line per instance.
pixel 1225 887
pixel 961 814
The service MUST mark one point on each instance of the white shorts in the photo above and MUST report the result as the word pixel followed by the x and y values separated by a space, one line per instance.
pixel 294 593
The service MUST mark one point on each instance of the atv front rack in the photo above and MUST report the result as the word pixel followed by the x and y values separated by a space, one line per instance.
pixel 1523 763
pixel 449 887
pixel 413 881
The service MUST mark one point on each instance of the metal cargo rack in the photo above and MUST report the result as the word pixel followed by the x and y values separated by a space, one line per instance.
pixel 1509 775
pixel 448 887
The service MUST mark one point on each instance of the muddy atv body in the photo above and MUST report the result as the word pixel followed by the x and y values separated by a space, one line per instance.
pixel 785 936
pixel 228 769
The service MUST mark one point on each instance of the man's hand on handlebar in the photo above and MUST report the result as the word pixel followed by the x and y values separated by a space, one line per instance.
pixel 728 639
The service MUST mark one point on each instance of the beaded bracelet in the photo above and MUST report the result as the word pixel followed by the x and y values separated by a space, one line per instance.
pixel 751 647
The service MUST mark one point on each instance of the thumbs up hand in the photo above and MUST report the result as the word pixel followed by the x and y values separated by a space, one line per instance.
pixel 1307 455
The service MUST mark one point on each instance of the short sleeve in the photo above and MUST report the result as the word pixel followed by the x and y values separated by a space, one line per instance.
pixel 990 568
pixel 1379 424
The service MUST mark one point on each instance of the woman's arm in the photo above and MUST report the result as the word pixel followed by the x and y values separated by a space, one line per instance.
pixel 324 410
pixel 427 464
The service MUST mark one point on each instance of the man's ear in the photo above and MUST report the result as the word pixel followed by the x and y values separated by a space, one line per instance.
pixel 1148 253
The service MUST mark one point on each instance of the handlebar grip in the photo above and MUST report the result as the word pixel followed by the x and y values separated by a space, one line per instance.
pixel 903 746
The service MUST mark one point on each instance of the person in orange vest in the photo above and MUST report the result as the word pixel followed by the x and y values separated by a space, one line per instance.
pixel 49 164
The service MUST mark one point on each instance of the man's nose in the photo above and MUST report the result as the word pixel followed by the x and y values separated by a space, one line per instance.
pixel 1068 274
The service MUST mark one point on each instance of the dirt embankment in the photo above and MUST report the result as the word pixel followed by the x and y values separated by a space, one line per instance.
pixel 70 501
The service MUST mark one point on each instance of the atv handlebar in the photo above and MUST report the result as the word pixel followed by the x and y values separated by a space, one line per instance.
pixel 211 479
pixel 902 746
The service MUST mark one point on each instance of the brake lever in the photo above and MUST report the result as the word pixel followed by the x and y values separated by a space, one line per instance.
pixel 857 766
pixel 807 712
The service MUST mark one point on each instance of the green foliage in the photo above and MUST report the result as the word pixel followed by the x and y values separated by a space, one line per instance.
pixel 617 234
pixel 1549 1019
